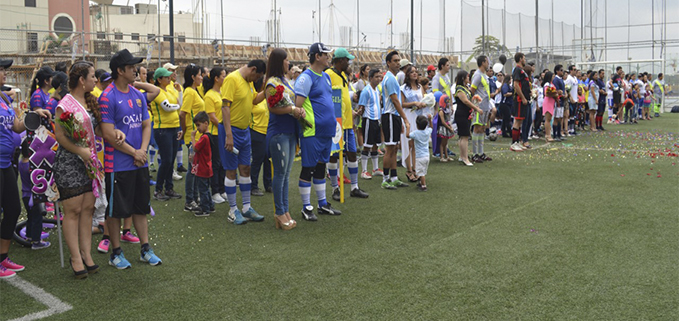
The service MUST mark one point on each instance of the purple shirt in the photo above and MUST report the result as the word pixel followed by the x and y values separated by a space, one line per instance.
pixel 26 185
pixel 7 135
pixel 39 99
pixel 52 105
pixel 126 111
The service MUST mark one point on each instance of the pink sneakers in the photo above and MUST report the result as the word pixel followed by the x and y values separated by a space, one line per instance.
pixel 8 264
pixel 5 273
pixel 129 238
pixel 103 246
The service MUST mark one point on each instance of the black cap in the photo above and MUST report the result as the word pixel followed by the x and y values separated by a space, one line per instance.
pixel 6 63
pixel 317 48
pixel 45 72
pixel 60 79
pixel 124 58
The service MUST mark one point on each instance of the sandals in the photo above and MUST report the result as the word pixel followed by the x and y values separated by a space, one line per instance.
pixel 411 177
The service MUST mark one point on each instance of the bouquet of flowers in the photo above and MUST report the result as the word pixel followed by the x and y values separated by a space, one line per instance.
pixel 73 126
pixel 279 99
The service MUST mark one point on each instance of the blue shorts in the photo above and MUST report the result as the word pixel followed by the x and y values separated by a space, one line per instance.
pixel 315 150
pixel 349 141
pixel 241 142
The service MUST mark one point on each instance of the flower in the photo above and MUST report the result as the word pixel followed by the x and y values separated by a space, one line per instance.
pixel 65 116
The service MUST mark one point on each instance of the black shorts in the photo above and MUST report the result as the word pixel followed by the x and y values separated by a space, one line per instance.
pixel 520 111
pixel 391 127
pixel 128 193
pixel 463 126
pixel 601 107
pixel 371 132
pixel 617 97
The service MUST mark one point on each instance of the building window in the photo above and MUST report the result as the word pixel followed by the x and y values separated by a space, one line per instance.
pixel 181 38
pixel 135 36
pixel 151 37
pixel 167 38
pixel 118 35
pixel 63 26
pixel 101 35
pixel 29 3
pixel 32 41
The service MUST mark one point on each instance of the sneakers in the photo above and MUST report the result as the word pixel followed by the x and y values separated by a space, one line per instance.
pixel 160 196
pixel 485 158
pixel 366 175
pixel 477 159
pixel 5 273
pixel 656 115
pixel 421 188
pixel 191 207
pixel 256 192
pixel 176 176
pixel 357 192
pixel 149 257
pixel 252 215
pixel 217 198
pixel 201 214
pixel 236 217
pixel 152 167
pixel 40 245
pixel 181 169
pixel 308 214
pixel 152 182
pixel 223 195
pixel 516 147
pixel 8 264
pixel 336 194
pixel 119 261
pixel 327 209
pixel 397 183
pixel 378 172
pixel 172 194
pixel 387 185
pixel 129 238
pixel 103 246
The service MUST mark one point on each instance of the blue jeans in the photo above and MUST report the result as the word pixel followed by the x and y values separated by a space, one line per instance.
pixel 190 183
pixel 282 150
pixel 203 187
pixel 258 159
pixel 166 138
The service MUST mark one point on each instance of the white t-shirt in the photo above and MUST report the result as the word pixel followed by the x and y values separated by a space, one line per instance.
pixel 401 77
pixel 642 86
pixel 573 83
pixel 609 90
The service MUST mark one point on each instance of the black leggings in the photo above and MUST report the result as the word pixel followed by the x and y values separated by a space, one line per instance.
pixel 506 113
pixel 9 202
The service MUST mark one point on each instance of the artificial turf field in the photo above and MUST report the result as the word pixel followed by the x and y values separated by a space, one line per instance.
pixel 581 230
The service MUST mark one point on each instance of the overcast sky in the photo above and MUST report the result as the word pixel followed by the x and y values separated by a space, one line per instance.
pixel 243 19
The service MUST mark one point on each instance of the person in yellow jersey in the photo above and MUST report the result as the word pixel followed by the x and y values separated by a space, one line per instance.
pixel 166 133
pixel 192 104
pixel 338 80
pixel 238 98
pixel 205 72
pixel 103 80
pixel 174 88
pixel 213 107
pixel 258 127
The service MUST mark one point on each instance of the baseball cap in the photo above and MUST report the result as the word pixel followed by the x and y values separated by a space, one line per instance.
pixel 123 58
pixel 342 53
pixel 318 47
pixel 431 68
pixel 161 72
pixel 405 62
pixel 6 63
pixel 170 66
pixel 105 77
pixel 60 79
pixel 46 72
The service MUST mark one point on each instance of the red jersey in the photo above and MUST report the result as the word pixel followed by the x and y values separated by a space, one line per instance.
pixel 202 161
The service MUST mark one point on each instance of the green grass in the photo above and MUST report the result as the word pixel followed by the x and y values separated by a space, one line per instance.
pixel 567 231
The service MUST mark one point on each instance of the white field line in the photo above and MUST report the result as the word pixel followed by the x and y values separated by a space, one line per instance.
pixel 557 145
pixel 55 306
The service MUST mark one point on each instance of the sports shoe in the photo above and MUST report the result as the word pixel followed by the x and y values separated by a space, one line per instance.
pixel 252 215
pixel 485 158
pixel 269 189
pixel 256 192
pixel 451 154
pixel 176 176
pixel 181 169
pixel 160 196
pixel 201 214
pixel 477 159
pixel 8 264
pixel 5 273
pixel 103 246
pixel 336 194
pixel 516 148
pixel 223 195
pixel 236 217
pixel 150 257
pixel 397 182
pixel 347 180
pixel 656 115
pixel 357 192
pixel 40 245
pixel 119 261
pixel 422 188
pixel 387 185
pixel 152 182
pixel 191 207
pixel 217 199
pixel 129 238
pixel 378 172
pixel 327 209
pixel 172 194
pixel 152 167
pixel 308 214
pixel 366 175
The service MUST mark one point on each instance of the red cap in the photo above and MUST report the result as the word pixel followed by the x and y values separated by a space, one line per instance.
pixel 431 68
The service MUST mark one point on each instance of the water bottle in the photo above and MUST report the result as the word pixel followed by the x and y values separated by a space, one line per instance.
pixel 235 151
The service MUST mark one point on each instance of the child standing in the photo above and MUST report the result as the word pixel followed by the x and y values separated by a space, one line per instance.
pixel 445 130
pixel 202 164
pixel 35 212
pixel 421 140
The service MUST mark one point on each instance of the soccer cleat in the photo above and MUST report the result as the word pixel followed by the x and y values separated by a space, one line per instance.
pixel 172 194
pixel 327 209
pixel 308 214
pixel 103 246
pixel 160 196
pixel 516 148
pixel 129 238
pixel 256 192
pixel 397 182
pixel 252 215
pixel 191 207
pixel 387 185
pixel 119 262
pixel 346 180
pixel 181 169
pixel 357 192
pixel 176 176
pixel 217 198
pixel 40 245
pixel 485 158
pixel 201 214
pixel 336 194
pixel 150 257
pixel 477 159
pixel 8 264
pixel 223 195
pixel 236 217
pixel 366 175
pixel 378 172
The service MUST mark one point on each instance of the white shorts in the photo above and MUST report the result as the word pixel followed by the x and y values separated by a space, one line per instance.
pixel 421 165
pixel 558 112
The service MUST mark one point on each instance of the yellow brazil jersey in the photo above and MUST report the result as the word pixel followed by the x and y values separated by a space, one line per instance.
pixel 260 117
pixel 161 117
pixel 201 90
pixel 96 91
pixel 337 82
pixel 192 104
pixel 170 88
pixel 240 93
pixel 213 104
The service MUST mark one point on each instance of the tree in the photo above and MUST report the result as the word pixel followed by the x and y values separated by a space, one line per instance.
pixel 493 48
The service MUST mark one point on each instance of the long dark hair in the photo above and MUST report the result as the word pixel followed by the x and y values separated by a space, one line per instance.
pixel 409 82
pixel 459 79
pixel 190 71
pixel 41 76
pixel 363 68
pixel 79 70
pixel 274 68
pixel 209 82
pixel 548 78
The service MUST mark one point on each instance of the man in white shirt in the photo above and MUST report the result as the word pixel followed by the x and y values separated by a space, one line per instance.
pixel 401 76
pixel 572 88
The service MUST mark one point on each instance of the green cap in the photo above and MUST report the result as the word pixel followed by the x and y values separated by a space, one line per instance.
pixel 342 53
pixel 161 72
